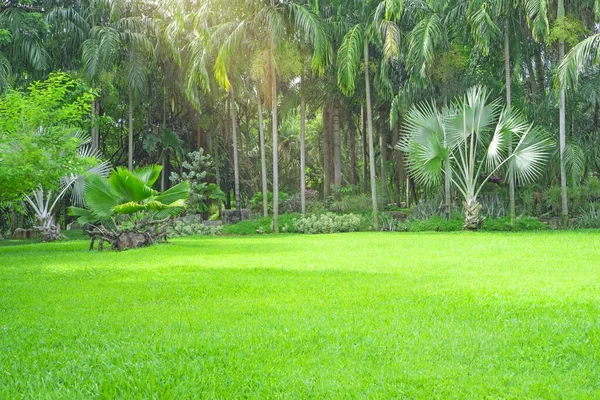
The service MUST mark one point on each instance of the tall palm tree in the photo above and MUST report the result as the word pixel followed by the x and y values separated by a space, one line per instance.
pixel 122 41
pixel 371 22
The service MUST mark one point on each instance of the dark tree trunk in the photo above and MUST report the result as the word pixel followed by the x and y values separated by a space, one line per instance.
pixel 365 154
pixel 326 153
pixel 383 149
pixel 352 137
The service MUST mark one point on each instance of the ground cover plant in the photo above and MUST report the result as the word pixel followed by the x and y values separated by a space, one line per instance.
pixel 375 315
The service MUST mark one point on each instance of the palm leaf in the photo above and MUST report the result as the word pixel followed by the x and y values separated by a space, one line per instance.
pixel 175 193
pixel 348 58
pixel 129 187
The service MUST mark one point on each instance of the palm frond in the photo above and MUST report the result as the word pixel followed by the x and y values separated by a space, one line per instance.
pixel 348 58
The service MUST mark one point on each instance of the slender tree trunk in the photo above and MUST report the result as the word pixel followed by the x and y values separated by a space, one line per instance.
pixel 130 154
pixel 337 147
pixel 352 137
pixel 326 153
pixel 562 126
pixel 365 154
pixel 275 149
pixel 383 149
pixel 236 170
pixel 217 166
pixel 94 133
pixel 511 178
pixel 370 134
pixel 263 160
pixel 163 172
pixel 302 154
pixel 539 69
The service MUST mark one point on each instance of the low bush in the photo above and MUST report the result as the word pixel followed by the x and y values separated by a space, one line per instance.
pixel 328 223
pixel 589 219
pixel 185 228
pixel 256 202
pixel 262 225
pixel 359 204
pixel 521 224
pixel 437 224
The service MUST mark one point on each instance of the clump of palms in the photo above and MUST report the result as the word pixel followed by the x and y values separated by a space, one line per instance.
pixel 469 140
pixel 125 211
pixel 43 202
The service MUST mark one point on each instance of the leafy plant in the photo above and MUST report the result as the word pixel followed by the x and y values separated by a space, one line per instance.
pixel 328 223
pixel 125 211
pixel 186 228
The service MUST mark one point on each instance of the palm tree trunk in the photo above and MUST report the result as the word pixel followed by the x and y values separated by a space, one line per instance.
pixel 263 160
pixel 352 137
pixel 302 155
pixel 326 153
pixel 562 126
pixel 275 149
pixel 383 157
pixel 130 153
pixel 370 134
pixel 365 155
pixel 447 191
pixel 511 178
pixel 236 169
pixel 337 146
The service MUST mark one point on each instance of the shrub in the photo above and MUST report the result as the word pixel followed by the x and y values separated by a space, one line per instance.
pixel 359 204
pixel 589 219
pixel 262 225
pixel 328 223
pixel 293 204
pixel 387 223
pixel 521 224
pixel 438 224
pixel 185 228
pixel 256 202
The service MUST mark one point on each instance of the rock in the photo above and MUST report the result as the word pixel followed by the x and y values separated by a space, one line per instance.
pixel 234 216
pixel 21 233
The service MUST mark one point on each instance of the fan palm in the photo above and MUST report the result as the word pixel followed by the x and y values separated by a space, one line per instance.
pixel 472 136
pixel 124 210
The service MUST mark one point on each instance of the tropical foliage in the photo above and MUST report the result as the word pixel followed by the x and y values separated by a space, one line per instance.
pixel 125 211
pixel 297 96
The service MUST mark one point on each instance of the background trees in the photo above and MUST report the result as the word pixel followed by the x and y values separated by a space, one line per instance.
pixel 319 79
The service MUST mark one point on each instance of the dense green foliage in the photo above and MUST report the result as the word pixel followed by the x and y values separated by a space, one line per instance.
pixel 41 131
pixel 356 315
pixel 325 88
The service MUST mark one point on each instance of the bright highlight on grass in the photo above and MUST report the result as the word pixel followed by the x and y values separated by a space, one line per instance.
pixel 358 315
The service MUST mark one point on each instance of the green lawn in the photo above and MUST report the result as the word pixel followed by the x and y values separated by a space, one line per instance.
pixel 360 315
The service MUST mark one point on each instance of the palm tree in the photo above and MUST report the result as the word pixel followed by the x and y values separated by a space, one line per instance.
pixel 122 42
pixel 508 16
pixel 473 135
pixel 108 203
pixel 370 22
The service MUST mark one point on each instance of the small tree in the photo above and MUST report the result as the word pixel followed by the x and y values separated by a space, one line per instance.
pixel 472 137
pixel 197 166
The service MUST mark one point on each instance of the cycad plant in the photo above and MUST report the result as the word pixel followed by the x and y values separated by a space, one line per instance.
pixel 125 211
pixel 472 138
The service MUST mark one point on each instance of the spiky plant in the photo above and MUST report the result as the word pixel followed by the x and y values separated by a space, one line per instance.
pixel 472 138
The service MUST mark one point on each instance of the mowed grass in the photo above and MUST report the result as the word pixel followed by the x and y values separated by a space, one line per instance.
pixel 360 315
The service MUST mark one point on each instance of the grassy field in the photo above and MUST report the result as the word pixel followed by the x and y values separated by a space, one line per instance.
pixel 362 315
